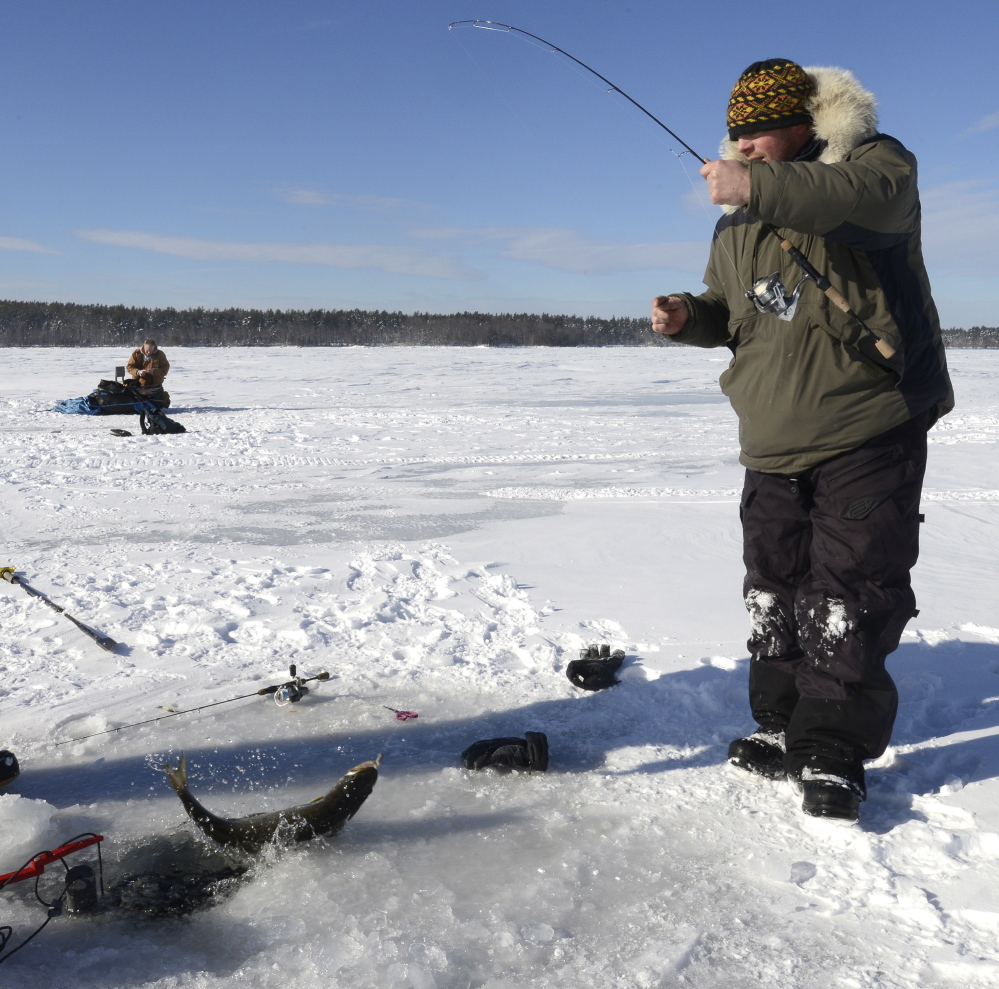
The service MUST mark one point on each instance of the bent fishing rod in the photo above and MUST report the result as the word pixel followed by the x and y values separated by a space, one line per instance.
pixel 105 642
pixel 768 294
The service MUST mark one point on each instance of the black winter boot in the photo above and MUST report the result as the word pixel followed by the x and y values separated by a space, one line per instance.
pixel 761 753
pixel 826 795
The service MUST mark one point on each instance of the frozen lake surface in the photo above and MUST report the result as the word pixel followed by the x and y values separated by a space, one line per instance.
pixel 442 530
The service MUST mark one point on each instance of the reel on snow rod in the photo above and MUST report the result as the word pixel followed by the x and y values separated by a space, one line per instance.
pixel 769 295
pixel 289 692
pixel 294 690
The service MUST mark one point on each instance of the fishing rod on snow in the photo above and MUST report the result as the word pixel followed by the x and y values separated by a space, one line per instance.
pixel 104 641
pixel 768 294
pixel 289 692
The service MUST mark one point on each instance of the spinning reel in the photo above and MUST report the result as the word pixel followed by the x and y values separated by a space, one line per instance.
pixel 768 294
pixel 294 690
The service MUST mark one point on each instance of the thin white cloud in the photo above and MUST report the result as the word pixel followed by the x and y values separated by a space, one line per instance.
pixel 16 244
pixel 375 257
pixel 961 227
pixel 316 197
pixel 988 122
pixel 571 250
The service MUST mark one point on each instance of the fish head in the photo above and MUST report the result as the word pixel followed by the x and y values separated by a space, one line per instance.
pixel 356 785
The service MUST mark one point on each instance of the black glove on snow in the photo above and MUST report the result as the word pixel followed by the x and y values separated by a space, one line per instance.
pixel 595 667
pixel 9 769
pixel 529 752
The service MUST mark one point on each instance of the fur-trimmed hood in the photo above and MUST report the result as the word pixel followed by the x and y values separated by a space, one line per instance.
pixel 844 114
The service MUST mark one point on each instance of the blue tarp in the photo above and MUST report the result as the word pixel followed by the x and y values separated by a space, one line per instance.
pixel 84 407
pixel 76 406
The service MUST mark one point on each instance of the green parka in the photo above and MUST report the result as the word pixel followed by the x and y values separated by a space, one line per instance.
pixel 816 386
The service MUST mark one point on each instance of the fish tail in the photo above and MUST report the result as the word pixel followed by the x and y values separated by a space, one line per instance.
pixel 178 776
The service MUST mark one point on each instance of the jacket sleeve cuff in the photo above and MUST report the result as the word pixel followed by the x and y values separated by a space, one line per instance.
pixel 705 326
pixel 766 187
pixel 688 327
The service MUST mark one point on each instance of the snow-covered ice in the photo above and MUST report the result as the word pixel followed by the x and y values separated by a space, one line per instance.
pixel 442 530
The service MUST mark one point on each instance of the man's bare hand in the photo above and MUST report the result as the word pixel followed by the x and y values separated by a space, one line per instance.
pixel 669 314
pixel 728 182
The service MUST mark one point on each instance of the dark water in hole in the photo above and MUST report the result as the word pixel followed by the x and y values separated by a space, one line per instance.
pixel 171 876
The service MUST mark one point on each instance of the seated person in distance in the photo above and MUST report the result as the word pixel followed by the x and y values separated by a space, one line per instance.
pixel 148 365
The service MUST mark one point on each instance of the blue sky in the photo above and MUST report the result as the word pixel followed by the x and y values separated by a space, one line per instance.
pixel 321 154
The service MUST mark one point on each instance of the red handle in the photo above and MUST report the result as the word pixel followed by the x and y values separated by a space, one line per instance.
pixel 38 863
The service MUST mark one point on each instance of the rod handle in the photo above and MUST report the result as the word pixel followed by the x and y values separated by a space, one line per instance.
pixel 885 349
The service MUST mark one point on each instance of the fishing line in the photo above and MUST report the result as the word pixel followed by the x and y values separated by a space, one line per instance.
pixel 580 68
pixel 508 28
pixel 767 294
pixel 629 107
pixel 532 133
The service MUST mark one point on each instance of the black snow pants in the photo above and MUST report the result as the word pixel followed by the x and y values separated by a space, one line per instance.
pixel 828 554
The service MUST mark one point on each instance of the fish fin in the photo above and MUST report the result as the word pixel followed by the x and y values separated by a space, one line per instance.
pixel 178 776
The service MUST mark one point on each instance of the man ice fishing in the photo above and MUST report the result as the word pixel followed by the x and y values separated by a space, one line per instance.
pixel 833 414
pixel 148 364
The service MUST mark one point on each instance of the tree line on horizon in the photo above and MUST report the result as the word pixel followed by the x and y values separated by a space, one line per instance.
pixel 66 324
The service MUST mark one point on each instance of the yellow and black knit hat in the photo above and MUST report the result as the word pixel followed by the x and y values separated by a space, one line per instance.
pixel 769 95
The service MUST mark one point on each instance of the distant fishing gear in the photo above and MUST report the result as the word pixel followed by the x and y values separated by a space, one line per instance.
pixel 79 893
pixel 768 294
pixel 10 575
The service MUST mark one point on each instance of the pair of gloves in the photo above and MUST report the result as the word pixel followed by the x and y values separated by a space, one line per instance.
pixel 594 670
pixel 529 752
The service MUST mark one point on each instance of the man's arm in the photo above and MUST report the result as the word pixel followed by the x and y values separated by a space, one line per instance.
pixel 874 193
pixel 699 320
